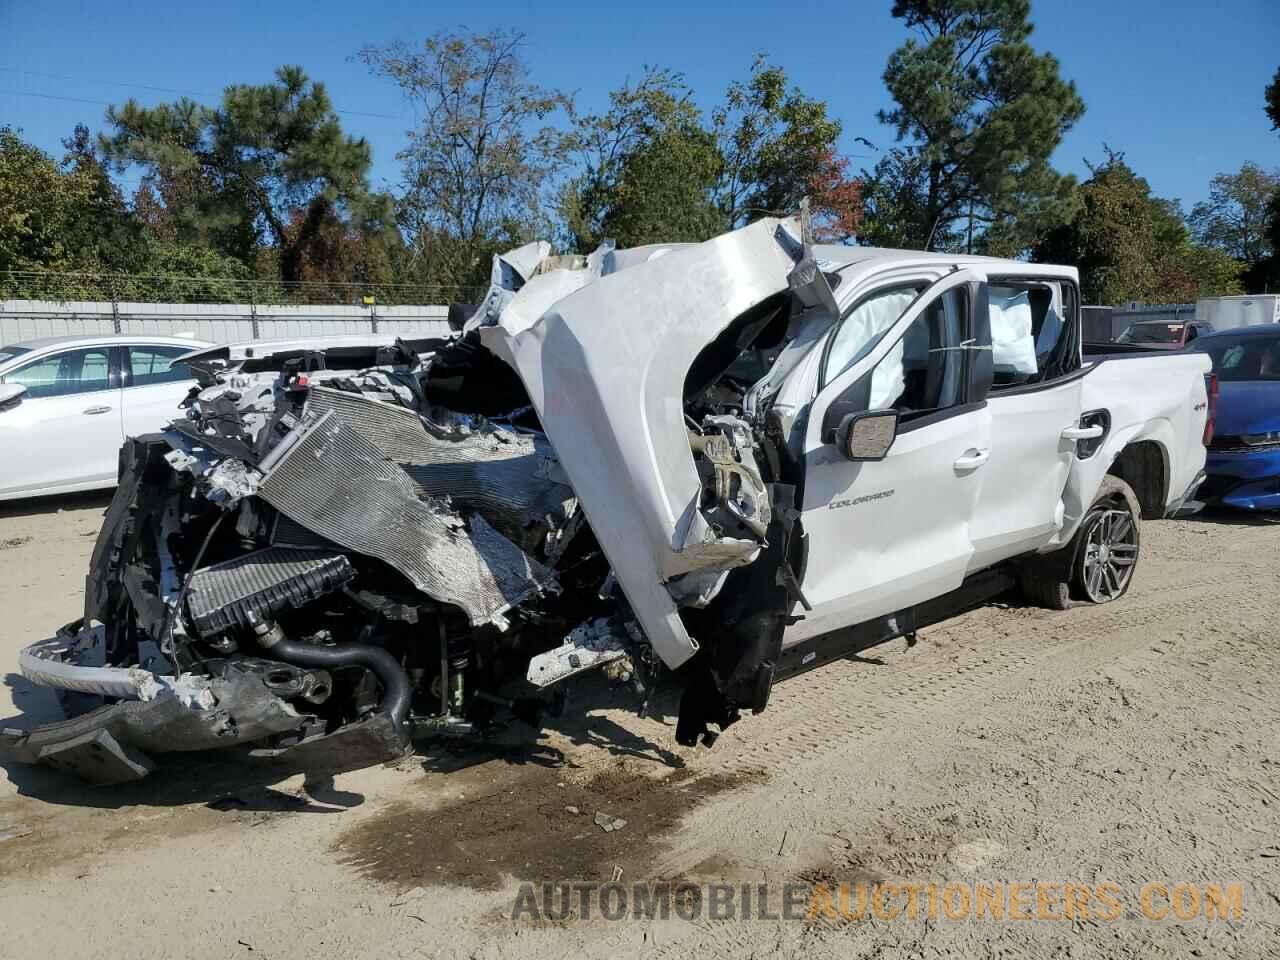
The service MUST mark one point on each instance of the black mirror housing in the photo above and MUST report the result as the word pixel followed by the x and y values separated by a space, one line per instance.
pixel 867 436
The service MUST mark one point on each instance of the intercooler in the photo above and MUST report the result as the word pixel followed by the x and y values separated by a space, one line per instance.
pixel 264 582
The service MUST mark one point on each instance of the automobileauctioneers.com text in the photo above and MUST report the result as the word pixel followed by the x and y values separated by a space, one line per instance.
pixel 1162 900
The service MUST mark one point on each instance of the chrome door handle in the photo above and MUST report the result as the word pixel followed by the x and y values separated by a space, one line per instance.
pixel 1083 433
pixel 973 460
pixel 91 411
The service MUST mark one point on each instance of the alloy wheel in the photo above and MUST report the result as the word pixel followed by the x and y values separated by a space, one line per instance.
pixel 1110 555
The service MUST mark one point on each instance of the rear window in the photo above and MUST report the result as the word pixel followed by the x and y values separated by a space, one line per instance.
pixel 1242 358
pixel 1153 333
pixel 148 365
pixel 8 353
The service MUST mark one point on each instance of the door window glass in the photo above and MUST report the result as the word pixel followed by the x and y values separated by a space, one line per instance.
pixel 862 328
pixel 1027 334
pixel 923 372
pixel 76 371
pixel 148 365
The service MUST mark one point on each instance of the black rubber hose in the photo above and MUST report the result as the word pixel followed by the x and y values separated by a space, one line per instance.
pixel 397 693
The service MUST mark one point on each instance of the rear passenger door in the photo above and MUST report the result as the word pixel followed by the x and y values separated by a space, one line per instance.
pixel 152 389
pixel 65 434
pixel 1035 404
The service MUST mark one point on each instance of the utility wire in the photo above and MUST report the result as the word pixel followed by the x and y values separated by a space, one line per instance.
pixel 51 96
pixel 140 86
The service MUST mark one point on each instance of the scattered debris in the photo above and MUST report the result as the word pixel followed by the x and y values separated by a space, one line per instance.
pixel 608 823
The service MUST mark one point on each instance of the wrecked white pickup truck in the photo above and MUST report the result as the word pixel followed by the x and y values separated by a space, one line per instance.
pixel 726 462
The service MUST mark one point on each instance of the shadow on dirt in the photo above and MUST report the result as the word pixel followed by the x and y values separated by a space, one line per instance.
pixel 232 780
pixel 43 506
pixel 1235 518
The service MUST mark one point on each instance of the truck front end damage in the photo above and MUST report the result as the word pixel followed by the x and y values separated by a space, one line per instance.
pixel 336 548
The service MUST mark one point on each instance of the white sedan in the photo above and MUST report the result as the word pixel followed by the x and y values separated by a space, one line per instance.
pixel 67 403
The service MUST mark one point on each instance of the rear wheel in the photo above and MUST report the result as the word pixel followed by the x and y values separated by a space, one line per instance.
pixel 1108 553
pixel 1099 562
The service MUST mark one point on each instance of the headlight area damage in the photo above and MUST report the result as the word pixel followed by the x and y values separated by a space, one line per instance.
pixel 337 548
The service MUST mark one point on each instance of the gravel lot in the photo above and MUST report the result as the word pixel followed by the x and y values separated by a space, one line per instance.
pixel 1128 744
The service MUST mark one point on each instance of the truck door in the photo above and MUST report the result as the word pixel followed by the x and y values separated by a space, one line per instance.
pixel 885 534
pixel 1035 405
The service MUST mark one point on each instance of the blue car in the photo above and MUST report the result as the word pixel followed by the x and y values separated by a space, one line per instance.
pixel 1244 457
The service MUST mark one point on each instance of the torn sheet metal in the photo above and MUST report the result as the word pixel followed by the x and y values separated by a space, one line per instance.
pixel 512 479
pixel 334 481
pixel 605 368
pixel 588 646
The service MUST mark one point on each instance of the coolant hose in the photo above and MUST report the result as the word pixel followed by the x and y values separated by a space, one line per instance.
pixel 397 693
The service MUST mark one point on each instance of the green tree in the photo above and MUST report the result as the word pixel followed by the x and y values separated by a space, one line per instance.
pixel 1129 245
pixel 1235 218
pixel 482 156
pixel 648 169
pixel 778 146
pixel 236 175
pixel 1267 276
pixel 653 169
pixel 60 217
pixel 1272 95
pixel 979 113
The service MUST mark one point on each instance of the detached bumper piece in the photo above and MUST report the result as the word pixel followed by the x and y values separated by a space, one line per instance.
pixel 114 743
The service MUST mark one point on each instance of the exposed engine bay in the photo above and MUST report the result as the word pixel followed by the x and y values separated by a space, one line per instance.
pixel 347 546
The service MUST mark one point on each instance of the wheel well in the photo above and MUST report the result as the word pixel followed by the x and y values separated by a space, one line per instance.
pixel 1142 466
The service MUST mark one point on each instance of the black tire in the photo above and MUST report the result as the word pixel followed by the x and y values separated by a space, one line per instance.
pixel 1098 564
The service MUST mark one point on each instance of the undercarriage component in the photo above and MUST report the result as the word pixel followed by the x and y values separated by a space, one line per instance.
pixel 741 498
pixel 397 694
pixel 744 624
pixel 588 646
pixel 224 596
pixel 112 743
pixel 333 480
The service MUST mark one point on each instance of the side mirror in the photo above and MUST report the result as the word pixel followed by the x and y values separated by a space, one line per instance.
pixel 867 436
pixel 11 394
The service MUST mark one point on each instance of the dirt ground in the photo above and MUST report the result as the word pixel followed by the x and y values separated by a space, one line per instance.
pixel 1134 744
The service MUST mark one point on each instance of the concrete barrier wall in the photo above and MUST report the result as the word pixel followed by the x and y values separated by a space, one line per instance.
pixel 217 322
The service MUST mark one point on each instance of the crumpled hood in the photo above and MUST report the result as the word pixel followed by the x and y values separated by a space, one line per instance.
pixel 605 368
pixel 1248 406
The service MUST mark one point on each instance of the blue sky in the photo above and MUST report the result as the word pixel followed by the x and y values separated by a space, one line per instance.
pixel 1175 84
